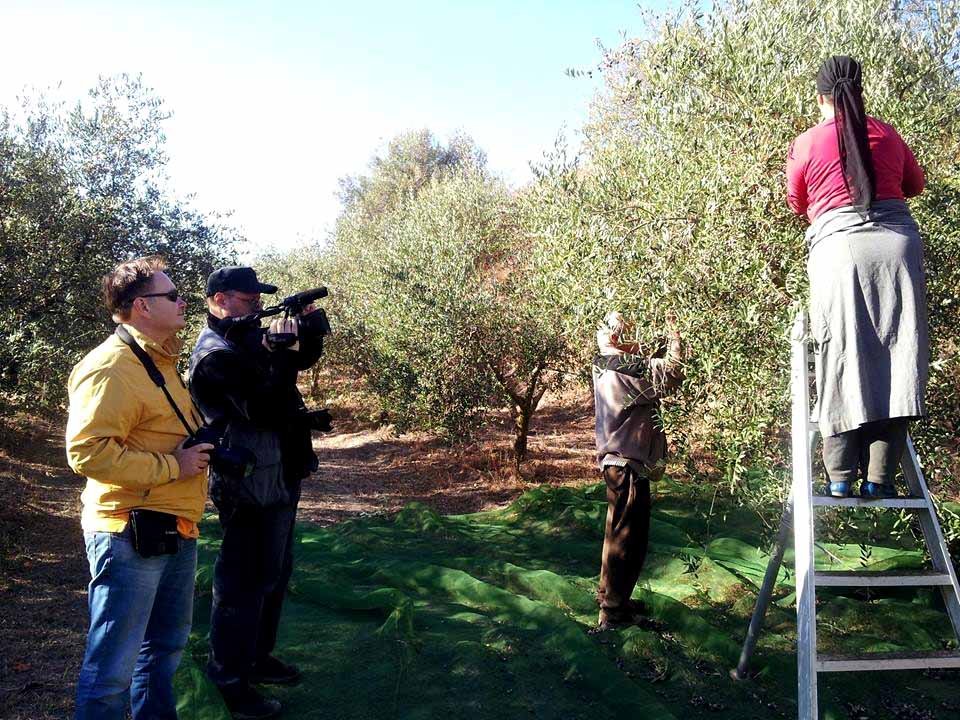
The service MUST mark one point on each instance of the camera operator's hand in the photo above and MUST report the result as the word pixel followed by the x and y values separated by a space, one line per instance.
pixel 283 325
pixel 308 309
pixel 194 459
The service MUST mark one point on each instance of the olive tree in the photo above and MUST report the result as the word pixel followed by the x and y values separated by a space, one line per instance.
pixel 81 189
pixel 678 200
pixel 431 301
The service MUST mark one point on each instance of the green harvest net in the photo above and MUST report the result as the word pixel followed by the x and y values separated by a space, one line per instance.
pixel 486 616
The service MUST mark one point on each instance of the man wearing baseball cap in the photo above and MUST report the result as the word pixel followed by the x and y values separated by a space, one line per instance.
pixel 247 390
pixel 237 280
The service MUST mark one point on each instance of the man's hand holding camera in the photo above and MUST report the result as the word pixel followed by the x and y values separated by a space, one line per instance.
pixel 282 328
pixel 193 459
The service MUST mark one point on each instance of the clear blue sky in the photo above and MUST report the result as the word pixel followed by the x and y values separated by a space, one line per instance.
pixel 274 101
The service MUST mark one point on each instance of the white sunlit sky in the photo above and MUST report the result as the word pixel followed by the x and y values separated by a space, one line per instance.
pixel 273 102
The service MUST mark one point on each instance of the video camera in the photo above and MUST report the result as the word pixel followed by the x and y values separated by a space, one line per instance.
pixel 315 323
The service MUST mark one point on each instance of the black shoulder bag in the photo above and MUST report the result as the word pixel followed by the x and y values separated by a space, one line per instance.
pixel 153 533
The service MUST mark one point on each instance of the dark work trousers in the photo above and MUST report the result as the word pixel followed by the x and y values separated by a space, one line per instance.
pixel 625 537
pixel 872 451
pixel 249 581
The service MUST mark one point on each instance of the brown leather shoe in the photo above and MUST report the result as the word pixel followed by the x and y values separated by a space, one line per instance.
pixel 635 613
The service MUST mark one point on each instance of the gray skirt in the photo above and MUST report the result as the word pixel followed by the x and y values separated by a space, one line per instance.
pixel 868 316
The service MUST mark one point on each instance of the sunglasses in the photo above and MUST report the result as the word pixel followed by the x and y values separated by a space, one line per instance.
pixel 171 295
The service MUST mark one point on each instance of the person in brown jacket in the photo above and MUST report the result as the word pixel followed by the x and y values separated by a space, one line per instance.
pixel 631 450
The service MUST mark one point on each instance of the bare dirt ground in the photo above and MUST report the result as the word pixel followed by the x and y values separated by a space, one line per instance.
pixel 370 470
pixel 363 469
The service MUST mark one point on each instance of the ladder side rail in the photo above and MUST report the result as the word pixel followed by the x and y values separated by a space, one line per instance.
pixel 741 671
pixel 932 534
pixel 803 522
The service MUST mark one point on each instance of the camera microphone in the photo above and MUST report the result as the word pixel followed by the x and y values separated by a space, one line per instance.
pixel 304 298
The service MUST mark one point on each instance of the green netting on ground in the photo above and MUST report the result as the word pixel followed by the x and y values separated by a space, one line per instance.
pixel 486 616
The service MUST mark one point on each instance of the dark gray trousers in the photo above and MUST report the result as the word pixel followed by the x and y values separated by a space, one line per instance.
pixel 872 452
pixel 250 579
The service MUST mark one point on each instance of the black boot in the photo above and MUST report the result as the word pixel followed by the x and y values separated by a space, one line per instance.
pixel 245 703
pixel 271 671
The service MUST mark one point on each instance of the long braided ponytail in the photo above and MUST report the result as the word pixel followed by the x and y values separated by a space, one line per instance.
pixel 840 77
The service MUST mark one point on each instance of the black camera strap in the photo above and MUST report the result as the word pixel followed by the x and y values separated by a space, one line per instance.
pixel 154 372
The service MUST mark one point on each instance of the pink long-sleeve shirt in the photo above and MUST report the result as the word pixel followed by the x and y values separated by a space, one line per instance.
pixel 815 178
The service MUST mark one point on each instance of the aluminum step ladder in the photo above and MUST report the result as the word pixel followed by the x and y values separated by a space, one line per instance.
pixel 798 515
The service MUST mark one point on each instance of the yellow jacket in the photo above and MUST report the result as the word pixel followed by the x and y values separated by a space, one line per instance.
pixel 121 433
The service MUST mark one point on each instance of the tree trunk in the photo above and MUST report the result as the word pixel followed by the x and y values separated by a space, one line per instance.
pixel 524 400
pixel 521 428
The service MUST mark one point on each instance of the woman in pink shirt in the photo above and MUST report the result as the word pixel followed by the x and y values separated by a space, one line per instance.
pixel 850 175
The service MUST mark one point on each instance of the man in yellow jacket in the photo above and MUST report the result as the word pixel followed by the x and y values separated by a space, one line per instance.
pixel 124 435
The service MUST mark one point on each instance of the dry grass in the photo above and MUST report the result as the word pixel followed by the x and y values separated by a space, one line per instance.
pixel 43 572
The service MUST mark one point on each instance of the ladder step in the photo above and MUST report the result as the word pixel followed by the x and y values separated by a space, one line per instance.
pixel 888 661
pixel 883 578
pixel 899 502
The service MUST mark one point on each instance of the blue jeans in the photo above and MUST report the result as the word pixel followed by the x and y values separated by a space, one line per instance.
pixel 140 614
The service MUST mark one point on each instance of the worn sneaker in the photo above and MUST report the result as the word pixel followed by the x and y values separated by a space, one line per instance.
pixel 271 671
pixel 245 703
pixel 840 489
pixel 877 491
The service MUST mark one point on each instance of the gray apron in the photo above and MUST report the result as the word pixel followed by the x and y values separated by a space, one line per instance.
pixel 868 315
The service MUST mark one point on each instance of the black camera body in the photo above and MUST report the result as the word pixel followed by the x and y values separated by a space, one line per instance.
pixel 235 462
pixel 315 323
pixel 319 420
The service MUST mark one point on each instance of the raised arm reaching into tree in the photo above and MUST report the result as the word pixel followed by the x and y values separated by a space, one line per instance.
pixel 631 450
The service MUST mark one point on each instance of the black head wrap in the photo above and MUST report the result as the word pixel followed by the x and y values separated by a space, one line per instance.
pixel 840 78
